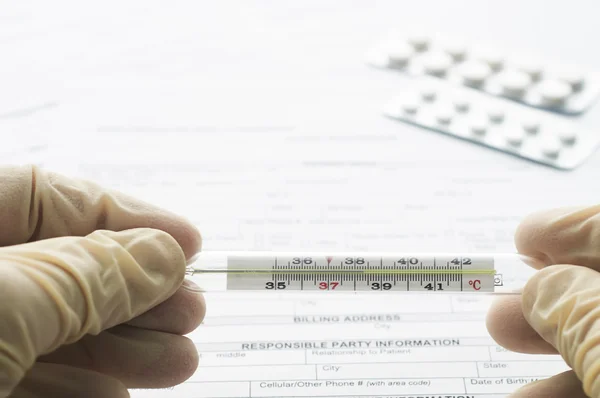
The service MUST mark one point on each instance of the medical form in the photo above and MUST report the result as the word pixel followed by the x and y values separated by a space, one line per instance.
pixel 365 347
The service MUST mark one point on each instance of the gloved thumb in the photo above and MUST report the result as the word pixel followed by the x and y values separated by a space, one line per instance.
pixel 54 291
pixel 562 304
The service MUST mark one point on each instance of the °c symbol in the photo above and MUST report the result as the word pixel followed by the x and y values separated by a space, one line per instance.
pixel 476 284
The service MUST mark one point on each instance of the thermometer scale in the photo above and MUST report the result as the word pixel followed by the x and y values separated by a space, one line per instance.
pixel 361 272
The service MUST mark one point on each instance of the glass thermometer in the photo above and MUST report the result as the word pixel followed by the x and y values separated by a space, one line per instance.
pixel 361 272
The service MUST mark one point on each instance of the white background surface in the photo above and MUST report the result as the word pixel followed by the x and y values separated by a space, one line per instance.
pixel 260 121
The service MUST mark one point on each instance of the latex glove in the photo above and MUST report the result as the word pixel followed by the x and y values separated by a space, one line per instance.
pixel 91 295
pixel 559 310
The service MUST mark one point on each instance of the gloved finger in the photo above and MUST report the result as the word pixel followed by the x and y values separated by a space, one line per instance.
pixel 52 380
pixel 122 347
pixel 558 236
pixel 562 304
pixel 562 385
pixel 562 236
pixel 38 204
pixel 139 358
pixel 58 290
pixel 509 328
pixel 180 314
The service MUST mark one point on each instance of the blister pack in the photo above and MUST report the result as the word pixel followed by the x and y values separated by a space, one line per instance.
pixel 521 131
pixel 539 83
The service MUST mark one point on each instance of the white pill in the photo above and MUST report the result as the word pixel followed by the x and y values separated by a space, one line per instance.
pixel 478 126
pixel 514 83
pixel 531 126
pixel 514 137
pixel 407 103
pixel 474 73
pixel 456 50
pixel 428 94
pixel 572 77
pixel 531 68
pixel 410 107
pixel 437 64
pixel 461 104
pixel 496 115
pixel 551 148
pixel 493 59
pixel 554 92
pixel 419 42
pixel 567 137
pixel 399 56
pixel 444 115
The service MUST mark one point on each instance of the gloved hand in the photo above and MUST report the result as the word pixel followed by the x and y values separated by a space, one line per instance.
pixel 91 293
pixel 559 310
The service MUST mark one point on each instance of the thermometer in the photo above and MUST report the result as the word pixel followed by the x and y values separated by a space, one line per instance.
pixel 361 272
